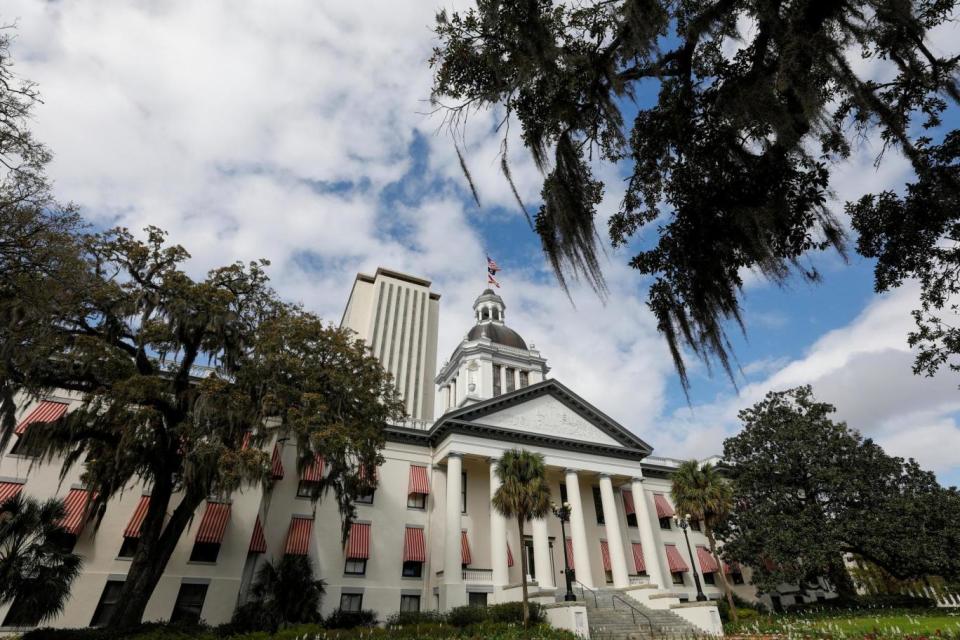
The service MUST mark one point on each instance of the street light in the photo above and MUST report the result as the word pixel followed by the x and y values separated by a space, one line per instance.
pixel 684 523
pixel 563 513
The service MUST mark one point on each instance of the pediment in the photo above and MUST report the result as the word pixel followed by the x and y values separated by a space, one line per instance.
pixel 548 416
pixel 548 410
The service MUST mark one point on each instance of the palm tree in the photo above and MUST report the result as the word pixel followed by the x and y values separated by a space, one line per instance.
pixel 524 495
pixel 289 590
pixel 37 566
pixel 700 491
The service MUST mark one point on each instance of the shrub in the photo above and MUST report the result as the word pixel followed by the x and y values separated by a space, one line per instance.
pixel 466 616
pixel 341 619
pixel 252 616
pixel 741 605
pixel 513 612
pixel 411 618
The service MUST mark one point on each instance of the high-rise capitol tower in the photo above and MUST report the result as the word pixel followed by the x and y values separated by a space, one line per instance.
pixel 397 316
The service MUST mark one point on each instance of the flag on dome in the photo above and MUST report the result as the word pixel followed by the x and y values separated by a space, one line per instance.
pixel 492 266
pixel 493 281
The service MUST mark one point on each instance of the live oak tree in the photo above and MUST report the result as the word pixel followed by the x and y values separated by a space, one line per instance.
pixel 809 490
pixel 728 135
pixel 125 329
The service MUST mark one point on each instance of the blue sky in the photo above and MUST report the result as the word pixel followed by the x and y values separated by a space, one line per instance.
pixel 298 133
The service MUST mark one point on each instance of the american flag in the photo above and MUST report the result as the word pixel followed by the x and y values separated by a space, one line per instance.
pixel 493 281
pixel 492 266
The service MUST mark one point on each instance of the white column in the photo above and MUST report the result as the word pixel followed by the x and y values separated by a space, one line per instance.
pixel 648 537
pixel 618 563
pixel 498 535
pixel 452 572
pixel 578 531
pixel 541 553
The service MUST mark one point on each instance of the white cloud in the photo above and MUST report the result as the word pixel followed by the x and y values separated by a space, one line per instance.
pixel 273 130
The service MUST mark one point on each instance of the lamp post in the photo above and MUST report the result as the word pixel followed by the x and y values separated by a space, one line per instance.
pixel 563 513
pixel 684 523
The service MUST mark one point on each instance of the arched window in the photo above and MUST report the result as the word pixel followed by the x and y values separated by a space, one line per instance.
pixel 486 314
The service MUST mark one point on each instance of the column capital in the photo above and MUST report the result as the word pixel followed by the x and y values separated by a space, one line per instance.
pixel 570 470
pixel 604 474
pixel 455 454
pixel 638 479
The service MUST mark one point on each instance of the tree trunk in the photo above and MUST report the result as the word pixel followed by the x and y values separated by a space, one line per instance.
pixel 727 589
pixel 840 578
pixel 157 543
pixel 523 574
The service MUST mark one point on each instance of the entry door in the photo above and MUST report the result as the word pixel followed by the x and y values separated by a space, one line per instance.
pixel 531 566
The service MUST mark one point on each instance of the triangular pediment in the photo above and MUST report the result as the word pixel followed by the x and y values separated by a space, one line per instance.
pixel 551 410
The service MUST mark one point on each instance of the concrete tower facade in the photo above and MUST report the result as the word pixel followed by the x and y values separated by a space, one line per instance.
pixel 397 315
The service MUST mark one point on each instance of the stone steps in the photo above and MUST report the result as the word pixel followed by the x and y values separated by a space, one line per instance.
pixel 610 620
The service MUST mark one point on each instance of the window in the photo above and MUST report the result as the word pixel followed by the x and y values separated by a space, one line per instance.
pixel 598 505
pixel 21 616
pixel 367 499
pixel 665 523
pixel 524 379
pixel 463 492
pixel 737 577
pixel 108 602
pixel 355 566
pixel 129 547
pixel 306 488
pixel 477 599
pixel 563 493
pixel 695 525
pixel 205 552
pixel 511 379
pixel 709 579
pixel 189 603
pixel 351 601
pixel 677 577
pixel 608 576
pixel 631 520
pixel 496 380
pixel 409 603
pixel 24 447
pixel 412 569
pixel 417 501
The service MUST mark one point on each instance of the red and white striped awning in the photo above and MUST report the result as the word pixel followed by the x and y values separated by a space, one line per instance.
pixel 358 542
pixel 314 471
pixel 731 567
pixel 419 481
pixel 9 490
pixel 707 562
pixel 414 547
pixel 569 542
pixel 245 443
pixel 75 505
pixel 675 560
pixel 509 556
pixel 136 520
pixel 276 464
pixel 628 502
pixel 46 411
pixel 605 555
pixel 465 556
pixel 664 510
pixel 298 536
pixel 638 560
pixel 214 522
pixel 258 542
pixel 363 471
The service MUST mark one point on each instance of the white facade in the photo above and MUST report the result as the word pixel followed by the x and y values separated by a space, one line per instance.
pixel 397 316
pixel 589 458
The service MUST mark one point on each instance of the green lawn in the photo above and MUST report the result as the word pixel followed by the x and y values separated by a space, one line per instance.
pixel 851 624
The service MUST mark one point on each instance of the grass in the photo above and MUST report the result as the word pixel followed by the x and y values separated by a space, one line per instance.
pixel 876 623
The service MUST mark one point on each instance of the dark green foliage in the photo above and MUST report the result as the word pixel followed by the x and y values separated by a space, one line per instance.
pixel 407 618
pixel 466 616
pixel 513 612
pixel 915 236
pixel 730 163
pixel 810 490
pixel 284 593
pixel 36 571
pixel 252 616
pixel 745 610
pixel 341 619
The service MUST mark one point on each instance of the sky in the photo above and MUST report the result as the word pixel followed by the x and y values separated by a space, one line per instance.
pixel 301 132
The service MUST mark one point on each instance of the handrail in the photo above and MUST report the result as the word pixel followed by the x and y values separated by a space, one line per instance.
pixel 584 588
pixel 613 599
pixel 634 611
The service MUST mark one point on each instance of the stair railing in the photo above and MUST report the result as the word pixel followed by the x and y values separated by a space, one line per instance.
pixel 584 590
pixel 634 611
